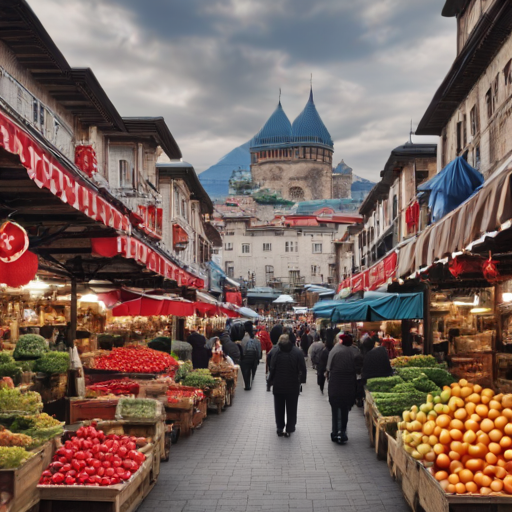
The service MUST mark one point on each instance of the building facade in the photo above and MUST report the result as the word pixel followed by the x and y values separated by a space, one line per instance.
pixel 471 111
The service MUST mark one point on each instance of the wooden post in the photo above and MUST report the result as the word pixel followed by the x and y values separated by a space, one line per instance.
pixel 73 318
pixel 428 336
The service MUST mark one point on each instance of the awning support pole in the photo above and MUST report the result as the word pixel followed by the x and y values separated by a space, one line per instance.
pixel 74 315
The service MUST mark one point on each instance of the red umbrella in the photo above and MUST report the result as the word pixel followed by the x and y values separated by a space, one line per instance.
pixel 149 306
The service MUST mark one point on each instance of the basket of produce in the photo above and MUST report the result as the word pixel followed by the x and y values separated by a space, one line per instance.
pixel 415 361
pixel 116 387
pixel 201 378
pixel 13 402
pixel 138 409
pixel 134 360
pixel 184 368
pixel 30 346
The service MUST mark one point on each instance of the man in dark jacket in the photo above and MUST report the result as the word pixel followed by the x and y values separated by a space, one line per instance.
pixel 376 360
pixel 343 365
pixel 230 348
pixel 201 354
pixel 287 373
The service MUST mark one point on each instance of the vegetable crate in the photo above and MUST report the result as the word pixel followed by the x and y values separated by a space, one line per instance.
pixel 125 497
pixel 181 418
pixel 379 426
pixel 22 482
pixel 217 396
pixel 90 409
pixel 200 413
pixel 423 493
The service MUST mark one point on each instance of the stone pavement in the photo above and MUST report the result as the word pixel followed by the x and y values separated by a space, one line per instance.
pixel 236 462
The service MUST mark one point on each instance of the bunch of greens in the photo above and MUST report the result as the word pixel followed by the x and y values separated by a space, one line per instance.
pixel 423 383
pixel 137 408
pixel 13 457
pixel 198 379
pixel 437 375
pixel 420 361
pixel 393 404
pixel 41 427
pixel 6 357
pixel 52 362
pixel 12 370
pixel 383 384
pixel 183 370
pixel 30 346
pixel 14 400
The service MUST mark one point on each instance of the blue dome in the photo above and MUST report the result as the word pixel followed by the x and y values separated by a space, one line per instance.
pixel 309 128
pixel 277 130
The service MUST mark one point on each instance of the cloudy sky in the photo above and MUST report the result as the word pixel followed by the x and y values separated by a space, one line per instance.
pixel 213 68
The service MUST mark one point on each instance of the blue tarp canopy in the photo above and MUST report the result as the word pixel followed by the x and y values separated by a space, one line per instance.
pixel 451 187
pixel 391 306
pixel 324 308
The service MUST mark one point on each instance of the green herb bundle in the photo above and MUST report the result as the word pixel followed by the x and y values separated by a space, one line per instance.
pixel 136 408
pixel 52 362
pixel 13 457
pixel 14 400
pixel 30 346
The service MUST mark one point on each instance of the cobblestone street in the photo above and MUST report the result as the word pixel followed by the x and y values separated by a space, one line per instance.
pixel 236 462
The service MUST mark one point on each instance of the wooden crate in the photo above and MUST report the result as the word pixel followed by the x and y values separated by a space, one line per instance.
pixel 378 426
pixel 424 494
pixel 182 420
pixel 90 409
pixel 22 482
pixel 125 497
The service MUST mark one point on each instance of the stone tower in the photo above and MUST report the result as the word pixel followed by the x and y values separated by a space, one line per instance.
pixel 342 181
pixel 294 160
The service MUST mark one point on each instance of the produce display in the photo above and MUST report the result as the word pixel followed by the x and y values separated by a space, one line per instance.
pixel 113 387
pixel 40 427
pixel 13 456
pixel 200 379
pixel 184 368
pixel 12 400
pixel 52 362
pixel 383 384
pixel 437 375
pixel 91 458
pixel 9 367
pixel 137 408
pixel 135 359
pixel 30 346
pixel 415 361
pixel 464 436
pixel 7 438
pixel 177 395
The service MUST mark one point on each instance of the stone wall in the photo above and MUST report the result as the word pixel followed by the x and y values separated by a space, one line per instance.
pixel 311 179
pixel 341 185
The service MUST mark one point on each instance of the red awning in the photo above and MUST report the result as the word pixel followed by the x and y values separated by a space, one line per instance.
pixel 47 172
pixel 132 248
pixel 234 298
pixel 204 308
pixel 148 306
pixel 374 277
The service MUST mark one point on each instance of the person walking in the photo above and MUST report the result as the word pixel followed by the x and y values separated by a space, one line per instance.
pixel 201 354
pixel 343 365
pixel 305 342
pixel 251 355
pixel 229 347
pixel 323 358
pixel 287 373
pixel 314 352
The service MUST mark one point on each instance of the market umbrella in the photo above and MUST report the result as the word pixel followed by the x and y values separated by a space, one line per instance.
pixel 284 299
pixel 151 306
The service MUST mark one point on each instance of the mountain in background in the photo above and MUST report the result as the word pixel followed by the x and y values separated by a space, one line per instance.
pixel 215 179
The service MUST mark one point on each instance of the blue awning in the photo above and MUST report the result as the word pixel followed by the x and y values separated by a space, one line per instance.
pixel 392 306
pixel 451 187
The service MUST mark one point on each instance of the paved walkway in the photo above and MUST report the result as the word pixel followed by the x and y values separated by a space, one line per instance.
pixel 236 463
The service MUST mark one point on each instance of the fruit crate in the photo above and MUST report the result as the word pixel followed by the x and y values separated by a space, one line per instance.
pixel 423 493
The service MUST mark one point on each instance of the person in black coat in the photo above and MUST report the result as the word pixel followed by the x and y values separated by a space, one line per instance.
pixel 376 360
pixel 287 373
pixel 323 358
pixel 201 354
pixel 230 348
pixel 343 365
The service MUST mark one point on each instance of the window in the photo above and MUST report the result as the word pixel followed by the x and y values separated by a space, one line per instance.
pixel 507 73
pixel 473 119
pixel 332 270
pixel 317 248
pixel 464 130
pixel 246 248
pixel 230 233
pixel 315 269
pixel 477 157
pixel 395 206
pixel 184 209
pixel 296 194
pixel 294 276
pixel 488 102
pixel 230 268
pixel 269 273
pixel 459 137
pixel 267 247
pixel 228 246
pixel 125 174
pixel 291 247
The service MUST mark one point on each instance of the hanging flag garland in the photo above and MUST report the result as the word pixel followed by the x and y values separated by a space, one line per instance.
pixel 13 241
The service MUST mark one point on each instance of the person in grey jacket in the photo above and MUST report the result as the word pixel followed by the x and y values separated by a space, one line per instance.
pixel 251 355
pixel 314 352
pixel 287 373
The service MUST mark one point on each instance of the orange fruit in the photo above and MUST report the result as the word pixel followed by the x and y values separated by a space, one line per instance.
pixel 456 434
pixel 471 425
pixel 460 488
pixel 491 458
pixel 444 437
pixel 485 491
pixel 477 450
pixel 443 461
pixel 485 481
pixel 485 399
pixel 483 438
pixel 494 448
pixel 441 475
pixel 474 398
pixel 454 455
pixel 457 424
pixel 439 448
pixel 471 487
pixel 470 407
pixel 496 485
pixel 456 465
pixel 507 413
pixel 493 414
pixel 482 410
pixel 501 422
pixel 443 420
pixel 453 479
pixel 508 428
pixel 469 436
pixel 500 472
pixel 495 435
pixel 494 404
pixel 450 488
pixel 465 391
pixel 487 392
pixel 505 442
pixel 508 454
pixel 474 464
pixel 460 414
pixel 455 390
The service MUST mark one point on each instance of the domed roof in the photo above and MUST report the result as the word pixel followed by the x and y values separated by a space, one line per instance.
pixel 309 127
pixel 277 130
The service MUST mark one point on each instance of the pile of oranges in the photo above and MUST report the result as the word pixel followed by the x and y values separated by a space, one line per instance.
pixel 465 437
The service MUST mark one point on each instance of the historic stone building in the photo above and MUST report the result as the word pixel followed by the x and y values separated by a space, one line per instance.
pixel 294 160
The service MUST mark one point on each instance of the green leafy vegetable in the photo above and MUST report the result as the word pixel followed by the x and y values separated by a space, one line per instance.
pixel 13 457
pixel 14 400
pixel 12 370
pixel 383 384
pixel 137 408
pixel 437 375
pixel 30 346
pixel 420 361
pixel 52 362
pixel 197 379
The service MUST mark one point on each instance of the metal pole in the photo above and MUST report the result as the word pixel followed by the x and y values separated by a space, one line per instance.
pixel 73 318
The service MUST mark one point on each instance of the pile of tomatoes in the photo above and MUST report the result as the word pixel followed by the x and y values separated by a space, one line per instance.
pixel 136 359
pixel 91 458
